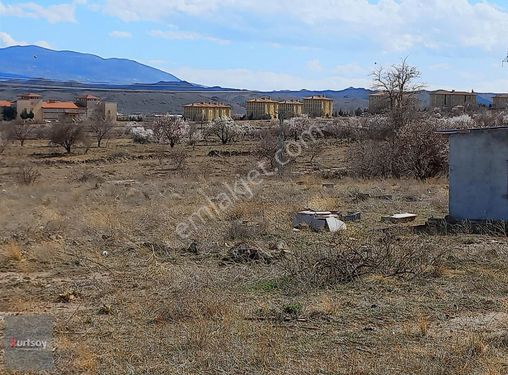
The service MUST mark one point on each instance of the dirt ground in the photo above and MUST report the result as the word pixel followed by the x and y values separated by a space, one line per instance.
pixel 93 243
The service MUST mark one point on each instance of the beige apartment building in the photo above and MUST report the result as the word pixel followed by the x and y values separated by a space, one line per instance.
pixel 290 108
pixel 262 109
pixel 500 101
pixel 206 111
pixel 379 102
pixel 318 106
pixel 449 99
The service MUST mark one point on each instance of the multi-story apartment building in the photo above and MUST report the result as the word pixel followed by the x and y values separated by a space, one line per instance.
pixel 379 102
pixel 290 108
pixel 449 99
pixel 206 111
pixel 318 106
pixel 262 109
pixel 500 101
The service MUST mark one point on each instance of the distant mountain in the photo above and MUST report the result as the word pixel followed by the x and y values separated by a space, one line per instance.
pixel 38 62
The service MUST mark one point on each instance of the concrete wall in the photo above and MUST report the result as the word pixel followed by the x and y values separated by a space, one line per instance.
pixel 34 105
pixel 479 175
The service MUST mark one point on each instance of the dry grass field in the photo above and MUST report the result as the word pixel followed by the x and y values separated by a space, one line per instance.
pixel 92 242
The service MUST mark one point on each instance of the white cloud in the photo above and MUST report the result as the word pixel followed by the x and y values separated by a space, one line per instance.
pixel 6 40
pixel 186 35
pixel 120 34
pixel 395 25
pixel 264 80
pixel 52 13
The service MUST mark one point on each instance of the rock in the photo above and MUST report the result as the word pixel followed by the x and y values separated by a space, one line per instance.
pixel 244 252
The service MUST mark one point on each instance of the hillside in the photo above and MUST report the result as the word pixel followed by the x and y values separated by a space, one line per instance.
pixel 38 62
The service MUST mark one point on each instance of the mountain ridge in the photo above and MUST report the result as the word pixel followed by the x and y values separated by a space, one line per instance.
pixel 33 62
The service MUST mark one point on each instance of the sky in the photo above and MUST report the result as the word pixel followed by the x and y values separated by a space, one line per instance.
pixel 278 44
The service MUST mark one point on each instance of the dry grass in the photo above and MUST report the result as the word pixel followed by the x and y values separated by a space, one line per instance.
pixel 12 252
pixel 177 311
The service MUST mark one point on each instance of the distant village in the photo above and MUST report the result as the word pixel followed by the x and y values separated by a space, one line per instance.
pixel 39 110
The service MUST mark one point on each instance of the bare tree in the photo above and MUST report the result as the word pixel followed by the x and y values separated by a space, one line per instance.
pixel 21 130
pixel 100 126
pixel 67 134
pixel 400 84
pixel 170 129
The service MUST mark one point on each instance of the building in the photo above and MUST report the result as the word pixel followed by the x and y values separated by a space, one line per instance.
pixel 449 99
pixel 318 106
pixel 478 173
pixel 500 101
pixel 54 110
pixel 3 105
pixel 379 102
pixel 85 107
pixel 262 109
pixel 290 108
pixel 29 104
pixel 206 111
pixel 92 106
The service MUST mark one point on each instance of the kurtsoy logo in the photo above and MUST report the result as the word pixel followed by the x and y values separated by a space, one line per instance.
pixel 27 344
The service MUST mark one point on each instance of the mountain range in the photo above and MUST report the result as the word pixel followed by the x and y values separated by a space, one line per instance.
pixel 23 62
pixel 62 74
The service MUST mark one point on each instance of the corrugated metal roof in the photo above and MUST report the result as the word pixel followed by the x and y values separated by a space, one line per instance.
pixel 472 130
pixel 445 92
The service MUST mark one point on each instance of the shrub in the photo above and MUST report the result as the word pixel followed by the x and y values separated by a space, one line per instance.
pixel 27 175
pixel 415 150
pixel 67 135
pixel 351 259
pixel 141 135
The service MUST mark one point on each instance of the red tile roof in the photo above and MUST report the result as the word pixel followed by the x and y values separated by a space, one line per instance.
pixel 59 105
pixel 5 103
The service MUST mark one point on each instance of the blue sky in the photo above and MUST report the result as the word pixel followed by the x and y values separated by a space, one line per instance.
pixel 278 44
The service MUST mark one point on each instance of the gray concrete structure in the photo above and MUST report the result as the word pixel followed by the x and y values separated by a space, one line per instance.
pixel 478 174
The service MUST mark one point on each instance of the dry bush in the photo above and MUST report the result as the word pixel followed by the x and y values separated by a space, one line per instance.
pixel 66 134
pixel 267 146
pixel 351 259
pixel 21 130
pixel 27 174
pixel 415 151
pixel 12 251
pixel 179 158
